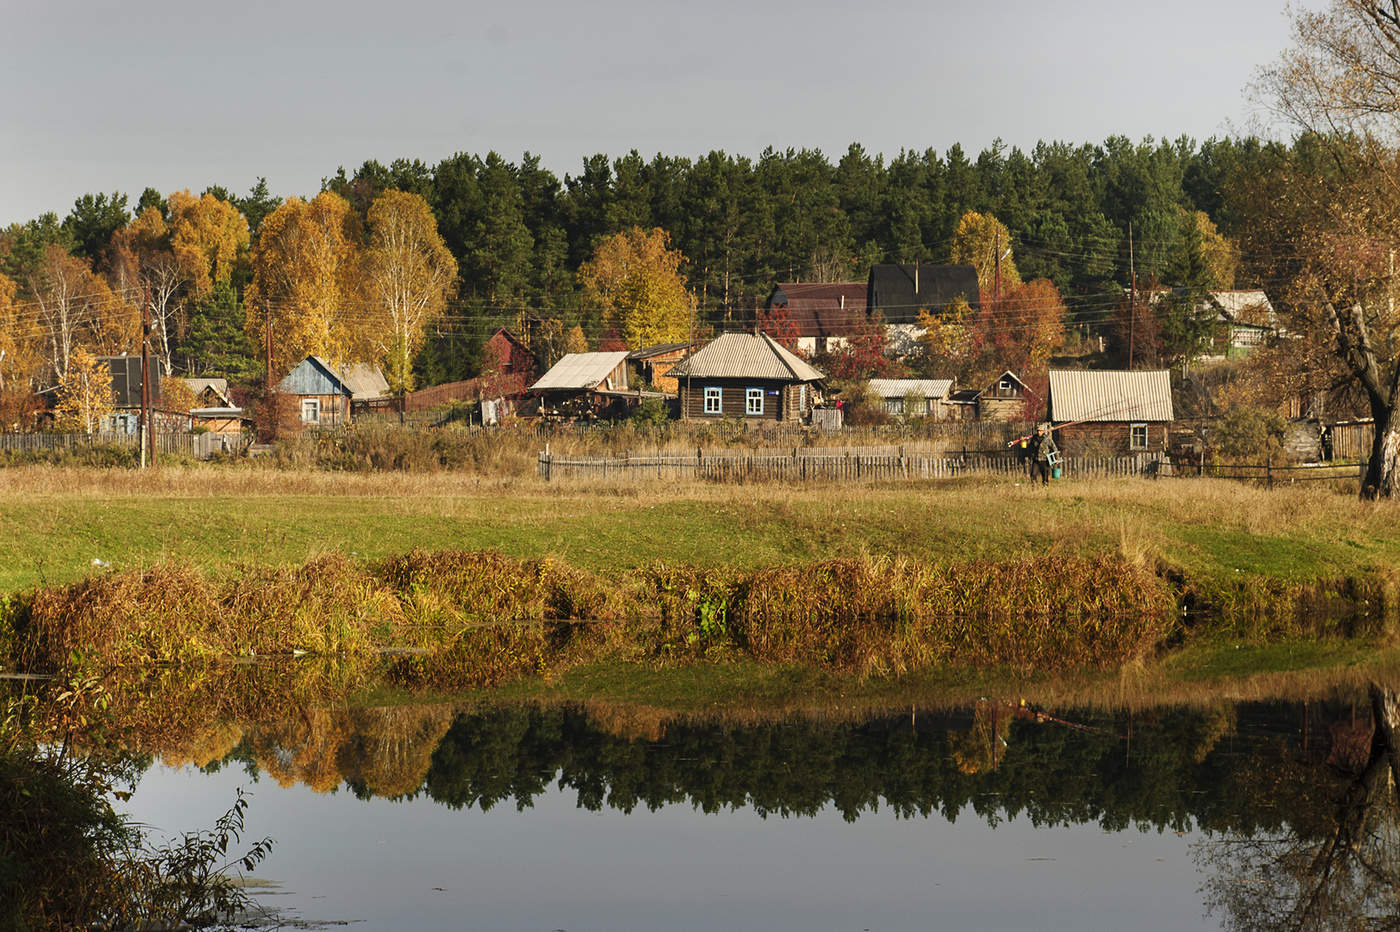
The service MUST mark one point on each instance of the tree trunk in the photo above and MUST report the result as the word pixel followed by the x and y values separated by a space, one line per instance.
pixel 1383 469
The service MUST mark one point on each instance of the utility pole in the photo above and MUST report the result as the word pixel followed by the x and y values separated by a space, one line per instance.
pixel 1132 296
pixel 996 276
pixel 147 440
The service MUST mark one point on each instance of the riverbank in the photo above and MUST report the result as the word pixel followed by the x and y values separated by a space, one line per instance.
pixel 61 525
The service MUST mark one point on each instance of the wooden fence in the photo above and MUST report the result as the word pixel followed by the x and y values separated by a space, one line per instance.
pixel 805 466
pixel 197 446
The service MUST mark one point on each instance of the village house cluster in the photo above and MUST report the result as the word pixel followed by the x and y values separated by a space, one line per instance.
pixel 752 377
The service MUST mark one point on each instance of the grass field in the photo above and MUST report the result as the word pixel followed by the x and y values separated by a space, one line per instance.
pixel 54 523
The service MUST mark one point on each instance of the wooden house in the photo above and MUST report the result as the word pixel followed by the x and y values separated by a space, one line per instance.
pixel 822 315
pixel 1004 398
pixel 126 390
pixel 746 376
pixel 584 385
pixel 652 365
pixel 326 395
pixel 914 397
pixel 900 292
pixel 1113 411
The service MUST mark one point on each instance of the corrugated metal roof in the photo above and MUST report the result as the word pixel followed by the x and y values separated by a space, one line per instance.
pixel 1110 395
pixel 313 376
pixel 581 370
pixel 899 388
pixel 219 387
pixel 745 356
pixel 365 381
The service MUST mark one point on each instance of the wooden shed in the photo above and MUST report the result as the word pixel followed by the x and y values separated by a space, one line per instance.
pixel 1004 399
pixel 322 397
pixel 653 364
pixel 584 385
pixel 1115 411
pixel 745 376
pixel 914 397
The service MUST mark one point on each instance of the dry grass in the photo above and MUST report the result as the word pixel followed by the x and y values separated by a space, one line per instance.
pixel 487 617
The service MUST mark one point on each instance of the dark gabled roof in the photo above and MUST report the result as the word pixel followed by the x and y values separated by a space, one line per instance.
pixel 659 349
pixel 899 292
pixel 821 309
pixel 126 379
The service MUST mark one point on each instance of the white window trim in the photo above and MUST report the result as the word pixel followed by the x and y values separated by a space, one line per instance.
pixel 750 395
pixel 716 394
pixel 312 406
pixel 1132 436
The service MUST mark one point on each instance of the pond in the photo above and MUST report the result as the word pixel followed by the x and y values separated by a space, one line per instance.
pixel 1257 815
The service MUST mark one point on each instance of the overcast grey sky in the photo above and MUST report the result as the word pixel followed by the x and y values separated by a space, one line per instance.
pixel 173 94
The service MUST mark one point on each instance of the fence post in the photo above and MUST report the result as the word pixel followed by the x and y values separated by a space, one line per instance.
pixel 1269 472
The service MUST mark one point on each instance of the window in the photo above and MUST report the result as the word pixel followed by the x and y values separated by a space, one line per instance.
pixel 311 410
pixel 753 401
pixel 1137 436
pixel 1004 386
pixel 714 400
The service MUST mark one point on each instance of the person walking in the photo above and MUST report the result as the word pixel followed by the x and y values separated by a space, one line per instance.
pixel 1043 451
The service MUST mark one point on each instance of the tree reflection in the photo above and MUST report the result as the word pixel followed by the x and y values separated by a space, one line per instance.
pixel 1336 863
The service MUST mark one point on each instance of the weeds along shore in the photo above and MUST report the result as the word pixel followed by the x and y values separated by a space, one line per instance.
pixel 480 618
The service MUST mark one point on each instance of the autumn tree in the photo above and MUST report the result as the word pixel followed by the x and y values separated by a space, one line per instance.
pixel 144 264
pixel 777 322
pixel 1340 220
pixel 983 242
pixel 635 278
pixel 947 341
pixel 863 355
pixel 409 274
pixel 306 284
pixel 1024 329
pixel 84 393
pixel 207 236
pixel 76 307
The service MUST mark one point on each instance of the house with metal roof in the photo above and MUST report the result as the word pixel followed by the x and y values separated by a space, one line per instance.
pixel 747 376
pixel 900 292
pixel 585 385
pixel 913 397
pixel 823 315
pixel 324 393
pixel 1115 411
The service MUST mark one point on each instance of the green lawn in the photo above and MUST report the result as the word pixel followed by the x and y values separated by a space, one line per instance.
pixel 55 523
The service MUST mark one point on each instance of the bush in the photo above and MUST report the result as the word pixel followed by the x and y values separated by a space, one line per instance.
pixel 1248 435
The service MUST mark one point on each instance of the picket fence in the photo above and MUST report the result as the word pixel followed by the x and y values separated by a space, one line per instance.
pixel 197 446
pixel 802 466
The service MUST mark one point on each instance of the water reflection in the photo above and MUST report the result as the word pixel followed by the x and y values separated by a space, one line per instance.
pixel 1291 808
pixel 1335 862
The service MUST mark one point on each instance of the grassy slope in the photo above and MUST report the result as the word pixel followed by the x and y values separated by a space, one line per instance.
pixel 54 522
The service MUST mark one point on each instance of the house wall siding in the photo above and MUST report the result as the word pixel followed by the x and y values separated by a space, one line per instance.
pixel 783 406
pixel 1108 436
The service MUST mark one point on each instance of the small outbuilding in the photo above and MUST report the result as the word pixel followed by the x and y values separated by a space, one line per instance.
pixel 1117 411
pixel 653 364
pixel 914 397
pixel 583 384
pixel 746 376
pixel 325 394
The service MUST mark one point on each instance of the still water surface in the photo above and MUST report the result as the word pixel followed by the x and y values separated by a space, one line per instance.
pixel 544 820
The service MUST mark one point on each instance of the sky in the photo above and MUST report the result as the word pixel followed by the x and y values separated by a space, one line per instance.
pixel 118 96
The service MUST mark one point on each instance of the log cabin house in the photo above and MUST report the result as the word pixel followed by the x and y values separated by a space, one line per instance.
pixel 746 376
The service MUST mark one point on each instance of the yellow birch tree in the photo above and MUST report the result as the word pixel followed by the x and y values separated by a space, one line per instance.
pixel 635 278
pixel 207 235
pixel 306 280
pixel 976 242
pixel 409 275
pixel 84 393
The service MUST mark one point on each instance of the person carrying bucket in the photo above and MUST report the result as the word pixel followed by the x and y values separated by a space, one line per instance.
pixel 1044 453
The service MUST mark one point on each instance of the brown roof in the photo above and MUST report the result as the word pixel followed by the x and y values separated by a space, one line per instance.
pixel 821 309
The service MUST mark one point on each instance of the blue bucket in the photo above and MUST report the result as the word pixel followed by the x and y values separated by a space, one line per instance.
pixel 1055 473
